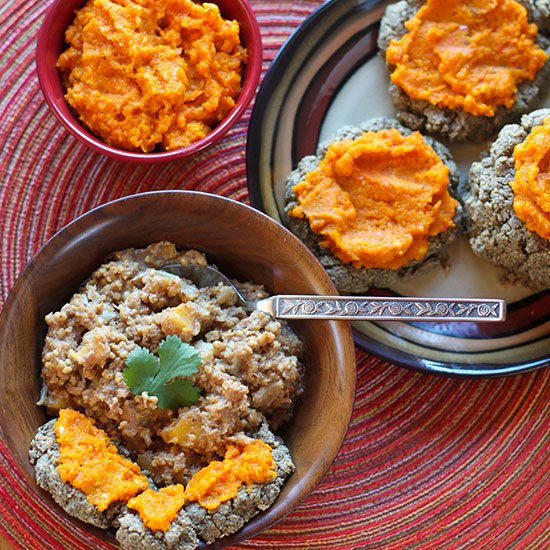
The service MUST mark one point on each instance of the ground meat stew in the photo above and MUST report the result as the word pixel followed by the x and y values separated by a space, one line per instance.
pixel 249 376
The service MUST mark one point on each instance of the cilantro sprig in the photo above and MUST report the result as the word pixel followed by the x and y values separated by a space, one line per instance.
pixel 166 377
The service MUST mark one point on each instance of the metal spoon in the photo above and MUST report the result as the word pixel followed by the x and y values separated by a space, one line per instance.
pixel 356 308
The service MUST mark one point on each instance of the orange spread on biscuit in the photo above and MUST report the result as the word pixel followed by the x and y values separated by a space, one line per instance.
pixel 152 73
pixel 531 182
pixel 221 480
pixel 468 55
pixel 92 464
pixel 377 199
pixel 157 509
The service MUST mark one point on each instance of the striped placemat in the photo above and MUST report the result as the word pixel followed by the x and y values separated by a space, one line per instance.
pixel 427 463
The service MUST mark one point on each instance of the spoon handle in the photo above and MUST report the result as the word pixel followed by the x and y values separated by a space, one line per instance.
pixel 383 309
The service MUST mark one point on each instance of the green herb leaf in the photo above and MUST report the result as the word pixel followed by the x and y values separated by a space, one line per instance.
pixel 179 393
pixel 164 377
pixel 178 358
pixel 141 368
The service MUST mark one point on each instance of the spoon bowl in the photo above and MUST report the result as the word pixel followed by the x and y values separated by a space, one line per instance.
pixel 206 275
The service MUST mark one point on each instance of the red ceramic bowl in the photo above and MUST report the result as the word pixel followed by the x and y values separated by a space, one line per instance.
pixel 51 42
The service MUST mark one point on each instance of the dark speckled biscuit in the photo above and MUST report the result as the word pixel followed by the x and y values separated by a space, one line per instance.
pixel 540 14
pixel 496 233
pixel 134 535
pixel 346 277
pixel 456 124
pixel 44 455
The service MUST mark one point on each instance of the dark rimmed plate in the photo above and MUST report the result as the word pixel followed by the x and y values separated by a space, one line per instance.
pixel 327 75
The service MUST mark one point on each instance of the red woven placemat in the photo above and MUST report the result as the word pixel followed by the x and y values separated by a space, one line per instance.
pixel 428 462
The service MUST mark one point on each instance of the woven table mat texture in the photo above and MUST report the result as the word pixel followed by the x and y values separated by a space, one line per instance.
pixel 427 463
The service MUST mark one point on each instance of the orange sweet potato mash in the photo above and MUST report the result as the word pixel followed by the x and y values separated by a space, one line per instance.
pixel 157 509
pixel 377 199
pixel 151 74
pixel 468 55
pixel 91 463
pixel 531 182
pixel 220 480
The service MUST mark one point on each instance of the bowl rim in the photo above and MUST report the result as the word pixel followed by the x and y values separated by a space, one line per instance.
pixel 339 328
pixel 69 120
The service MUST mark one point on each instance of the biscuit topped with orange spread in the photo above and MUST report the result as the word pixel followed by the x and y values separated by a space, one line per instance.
pixel 375 204
pixel 377 199
pixel 531 183
pixel 466 55
pixel 463 68
pixel 507 202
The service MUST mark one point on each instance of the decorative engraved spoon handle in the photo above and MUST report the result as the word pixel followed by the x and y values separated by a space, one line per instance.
pixel 354 308
pixel 383 309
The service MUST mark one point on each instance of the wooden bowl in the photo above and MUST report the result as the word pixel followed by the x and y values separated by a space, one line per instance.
pixel 244 243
